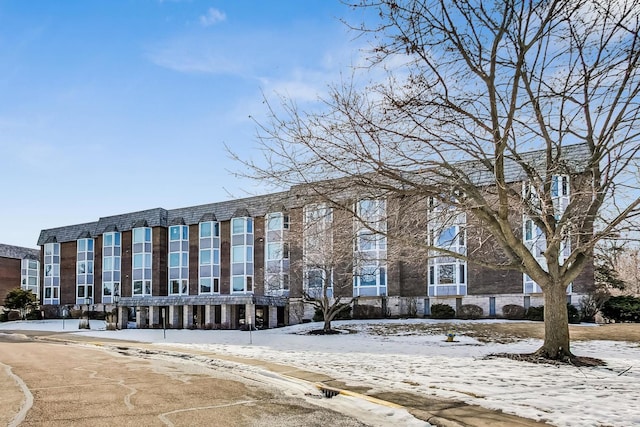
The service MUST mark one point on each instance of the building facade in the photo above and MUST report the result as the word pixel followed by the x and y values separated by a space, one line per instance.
pixel 19 268
pixel 253 261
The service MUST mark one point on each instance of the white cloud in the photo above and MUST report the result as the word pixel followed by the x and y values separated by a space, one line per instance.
pixel 213 16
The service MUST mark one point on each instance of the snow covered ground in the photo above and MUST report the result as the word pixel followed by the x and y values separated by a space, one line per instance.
pixel 427 364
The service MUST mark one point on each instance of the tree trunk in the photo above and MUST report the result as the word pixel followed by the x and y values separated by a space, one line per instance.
pixel 327 324
pixel 556 324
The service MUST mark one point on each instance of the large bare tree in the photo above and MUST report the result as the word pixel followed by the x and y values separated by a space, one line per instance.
pixel 471 89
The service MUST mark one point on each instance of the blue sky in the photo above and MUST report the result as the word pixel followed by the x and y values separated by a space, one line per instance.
pixel 109 107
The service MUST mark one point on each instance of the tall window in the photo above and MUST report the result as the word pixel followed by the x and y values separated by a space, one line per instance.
pixel 277 254
pixel 84 271
pixel 241 255
pixel 535 239
pixel 30 276
pixel 209 258
pixel 447 274
pixel 142 257
pixel 318 257
pixel 370 249
pixel 52 273
pixel 178 260
pixel 111 258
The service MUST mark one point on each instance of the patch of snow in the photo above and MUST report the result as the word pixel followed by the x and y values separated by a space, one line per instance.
pixel 426 364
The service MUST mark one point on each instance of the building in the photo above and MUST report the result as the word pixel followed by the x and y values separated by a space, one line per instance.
pixel 19 268
pixel 251 261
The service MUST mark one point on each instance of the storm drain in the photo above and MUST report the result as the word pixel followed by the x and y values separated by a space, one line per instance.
pixel 329 392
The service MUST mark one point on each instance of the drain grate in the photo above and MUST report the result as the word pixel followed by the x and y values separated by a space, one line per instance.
pixel 329 393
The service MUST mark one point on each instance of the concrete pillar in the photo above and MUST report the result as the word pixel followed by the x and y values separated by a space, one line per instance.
pixel 123 317
pixel 187 316
pixel 272 321
pixel 250 314
pixel 154 316
pixel 173 319
pixel 225 316
pixel 141 317
pixel 209 314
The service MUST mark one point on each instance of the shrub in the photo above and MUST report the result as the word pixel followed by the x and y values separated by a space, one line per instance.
pixel 363 311
pixel 513 312
pixel 442 311
pixel 574 313
pixel 470 311
pixel 623 308
pixel 535 313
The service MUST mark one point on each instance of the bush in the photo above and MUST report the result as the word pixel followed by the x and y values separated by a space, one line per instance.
pixel 514 312
pixel 535 313
pixel 363 311
pixel 470 311
pixel 623 308
pixel 344 314
pixel 442 311
pixel 574 314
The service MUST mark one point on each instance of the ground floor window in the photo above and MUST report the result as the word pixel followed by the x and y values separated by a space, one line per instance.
pixel 370 280
pixel 447 277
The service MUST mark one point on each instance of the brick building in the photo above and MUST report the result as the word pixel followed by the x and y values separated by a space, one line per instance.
pixel 19 267
pixel 249 261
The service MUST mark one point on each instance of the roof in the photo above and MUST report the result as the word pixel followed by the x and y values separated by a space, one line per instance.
pixel 159 217
pixel 18 252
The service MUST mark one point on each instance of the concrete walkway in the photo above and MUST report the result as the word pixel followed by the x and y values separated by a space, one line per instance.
pixel 436 411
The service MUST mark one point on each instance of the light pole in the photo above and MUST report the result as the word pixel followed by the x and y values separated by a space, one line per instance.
pixel 88 301
pixel 116 298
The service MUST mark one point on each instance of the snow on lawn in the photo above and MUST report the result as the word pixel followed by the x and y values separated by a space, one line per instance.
pixel 426 364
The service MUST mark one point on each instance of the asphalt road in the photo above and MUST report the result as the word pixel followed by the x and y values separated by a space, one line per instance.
pixel 69 384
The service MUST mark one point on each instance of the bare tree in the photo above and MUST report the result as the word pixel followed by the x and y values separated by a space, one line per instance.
pixel 488 108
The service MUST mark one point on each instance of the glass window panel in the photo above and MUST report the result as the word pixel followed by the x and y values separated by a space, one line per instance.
pixel 205 271
pixel 138 237
pixel 147 260
pixel 237 225
pixel 216 256
pixel 147 234
pixel 274 251
pixel 33 281
pixel 82 245
pixel 116 239
pixel 237 268
pixel 90 267
pixel 205 229
pixel 238 284
pixel 147 287
pixel 249 225
pixel 174 232
pixel 205 286
pixel 250 254
pixel 33 264
pixel 237 254
pixel 274 222
pixel 447 237
pixel 446 274
pixel 216 229
pixel 137 287
pixel 137 260
pixel 107 275
pixel 89 245
pixel 174 259
pixel 205 257
pixel 107 240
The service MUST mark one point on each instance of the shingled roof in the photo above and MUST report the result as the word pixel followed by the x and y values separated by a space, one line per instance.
pixel 159 217
pixel 18 252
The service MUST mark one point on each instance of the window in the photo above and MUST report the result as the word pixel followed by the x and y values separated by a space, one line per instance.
pixel 51 273
pixel 242 255
pixel 317 246
pixel 142 255
pixel 84 270
pixel 447 274
pixel 178 260
pixel 209 258
pixel 30 276
pixel 276 254
pixel 370 249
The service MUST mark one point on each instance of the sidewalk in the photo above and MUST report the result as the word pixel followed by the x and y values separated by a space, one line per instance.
pixel 436 411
